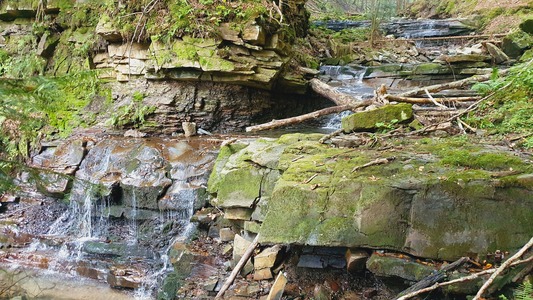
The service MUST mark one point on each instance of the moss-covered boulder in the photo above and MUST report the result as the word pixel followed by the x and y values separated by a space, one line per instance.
pixel 436 198
pixel 402 267
pixel 371 119
pixel 516 43
pixel 527 26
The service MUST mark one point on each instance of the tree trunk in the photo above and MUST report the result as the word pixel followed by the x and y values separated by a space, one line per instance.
pixel 298 119
pixel 330 93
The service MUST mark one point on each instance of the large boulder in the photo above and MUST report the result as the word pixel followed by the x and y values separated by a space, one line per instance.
pixel 516 43
pixel 433 199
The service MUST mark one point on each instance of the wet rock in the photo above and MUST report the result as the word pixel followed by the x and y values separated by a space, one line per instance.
pixel 240 245
pixel 226 234
pixel 405 268
pixel 497 54
pixel 356 260
pixel 102 248
pixel 134 133
pixel 54 184
pixel 367 120
pixel 65 158
pixel 267 258
pixel 276 292
pixel 124 277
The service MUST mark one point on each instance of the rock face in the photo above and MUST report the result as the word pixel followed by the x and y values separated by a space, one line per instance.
pixel 215 107
pixel 223 82
pixel 434 200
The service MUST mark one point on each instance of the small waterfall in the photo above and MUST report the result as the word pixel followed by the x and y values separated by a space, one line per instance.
pixel 129 203
pixel 349 80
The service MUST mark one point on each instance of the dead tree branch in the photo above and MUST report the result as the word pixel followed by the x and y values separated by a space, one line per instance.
pixel 502 268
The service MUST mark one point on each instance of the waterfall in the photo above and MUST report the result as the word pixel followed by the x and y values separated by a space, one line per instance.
pixel 349 80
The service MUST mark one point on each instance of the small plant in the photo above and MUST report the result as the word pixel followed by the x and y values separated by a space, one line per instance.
pixel 523 292
pixel 133 114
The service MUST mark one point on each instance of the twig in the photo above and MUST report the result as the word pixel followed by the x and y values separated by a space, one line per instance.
pixel 311 178
pixel 297 158
pixel 435 276
pixel 433 100
pixel 458 280
pixel 379 161
pixel 329 136
pixel 504 266
pixel 238 267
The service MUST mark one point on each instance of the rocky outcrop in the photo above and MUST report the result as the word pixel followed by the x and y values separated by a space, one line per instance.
pixel 432 200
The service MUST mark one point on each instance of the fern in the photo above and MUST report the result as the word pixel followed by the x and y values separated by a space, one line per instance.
pixel 524 291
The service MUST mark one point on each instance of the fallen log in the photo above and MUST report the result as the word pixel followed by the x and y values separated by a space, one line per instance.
pixel 434 278
pixel 428 101
pixel 313 115
pixel 459 280
pixel 327 91
pixel 450 85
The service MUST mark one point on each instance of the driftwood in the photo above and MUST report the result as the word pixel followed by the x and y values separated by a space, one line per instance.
pixel 238 267
pixel 502 268
pixel 379 161
pixel 459 280
pixel 298 119
pixel 326 91
pixel 434 278
pixel 414 100
pixel 450 85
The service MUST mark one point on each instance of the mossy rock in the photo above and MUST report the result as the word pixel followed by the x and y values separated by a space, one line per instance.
pixel 405 268
pixel 370 120
pixel 527 26
pixel 516 43
pixel 436 199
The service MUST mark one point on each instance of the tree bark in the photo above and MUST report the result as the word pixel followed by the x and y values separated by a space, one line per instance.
pixel 330 93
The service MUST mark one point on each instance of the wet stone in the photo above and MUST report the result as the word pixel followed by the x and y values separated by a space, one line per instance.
pixel 226 234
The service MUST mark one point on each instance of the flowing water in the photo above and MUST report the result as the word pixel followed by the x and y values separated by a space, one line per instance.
pixel 130 202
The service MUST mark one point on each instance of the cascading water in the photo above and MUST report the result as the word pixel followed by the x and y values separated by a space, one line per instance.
pixel 348 80
pixel 129 203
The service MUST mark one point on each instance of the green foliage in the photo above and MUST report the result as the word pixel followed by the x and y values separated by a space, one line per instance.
pixel 133 114
pixel 524 292
pixel 509 109
pixel 35 107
